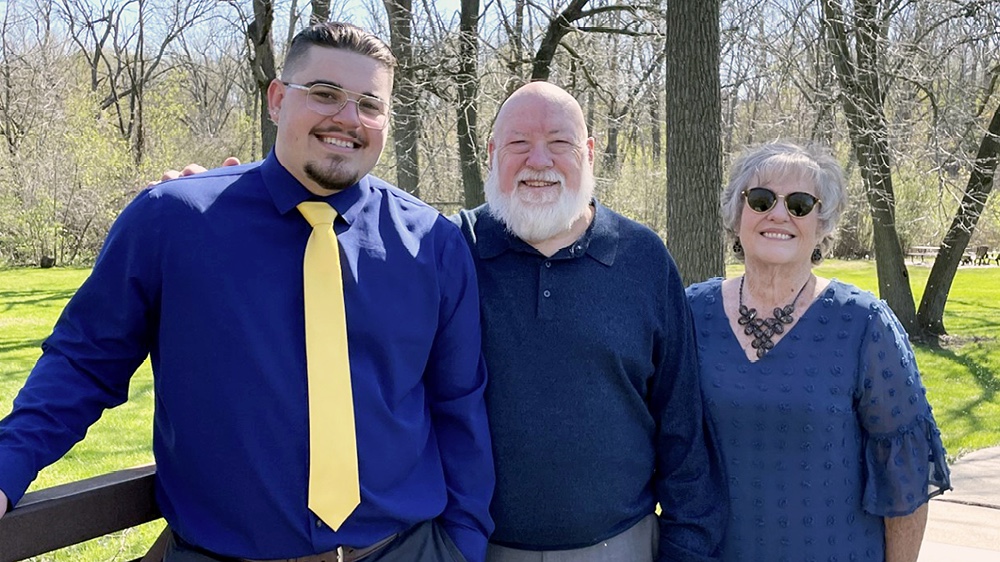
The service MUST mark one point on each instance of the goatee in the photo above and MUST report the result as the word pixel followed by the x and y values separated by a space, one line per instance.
pixel 331 178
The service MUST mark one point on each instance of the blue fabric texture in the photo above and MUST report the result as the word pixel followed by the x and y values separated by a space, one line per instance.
pixel 822 437
pixel 204 274
pixel 593 396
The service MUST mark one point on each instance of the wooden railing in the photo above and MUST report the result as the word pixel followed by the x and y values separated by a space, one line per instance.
pixel 65 515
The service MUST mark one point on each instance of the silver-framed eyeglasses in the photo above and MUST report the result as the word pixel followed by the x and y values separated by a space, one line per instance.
pixel 327 99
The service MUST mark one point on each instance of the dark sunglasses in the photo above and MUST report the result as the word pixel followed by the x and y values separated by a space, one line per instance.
pixel 762 200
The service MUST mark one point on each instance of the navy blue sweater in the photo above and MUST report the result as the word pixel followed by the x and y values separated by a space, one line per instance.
pixel 594 403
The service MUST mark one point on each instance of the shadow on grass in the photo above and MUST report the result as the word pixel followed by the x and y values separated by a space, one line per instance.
pixel 11 299
pixel 979 304
pixel 7 346
pixel 983 376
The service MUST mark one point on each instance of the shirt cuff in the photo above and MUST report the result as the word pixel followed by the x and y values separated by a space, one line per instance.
pixel 471 543
pixel 14 480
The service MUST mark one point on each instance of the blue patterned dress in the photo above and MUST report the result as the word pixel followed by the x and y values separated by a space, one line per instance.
pixel 822 437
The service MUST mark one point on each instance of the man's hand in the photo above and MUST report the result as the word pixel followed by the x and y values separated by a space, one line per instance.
pixel 192 169
pixel 3 503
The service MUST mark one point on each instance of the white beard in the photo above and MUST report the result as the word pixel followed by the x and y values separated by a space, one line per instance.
pixel 536 215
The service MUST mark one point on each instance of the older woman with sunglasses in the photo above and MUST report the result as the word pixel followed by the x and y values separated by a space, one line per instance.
pixel 829 443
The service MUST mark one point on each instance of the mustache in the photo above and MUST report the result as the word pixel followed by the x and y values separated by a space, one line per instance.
pixel 536 175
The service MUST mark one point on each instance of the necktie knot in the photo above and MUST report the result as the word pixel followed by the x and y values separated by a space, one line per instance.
pixel 317 212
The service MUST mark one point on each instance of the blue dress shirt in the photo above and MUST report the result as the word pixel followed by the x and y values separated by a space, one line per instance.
pixel 204 274
pixel 593 396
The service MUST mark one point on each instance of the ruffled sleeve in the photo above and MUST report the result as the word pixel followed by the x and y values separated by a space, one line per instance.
pixel 904 458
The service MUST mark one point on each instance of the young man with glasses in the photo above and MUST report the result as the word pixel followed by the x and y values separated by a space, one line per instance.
pixel 206 275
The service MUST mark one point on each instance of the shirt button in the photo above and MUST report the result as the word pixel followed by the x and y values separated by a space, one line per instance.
pixel 546 293
pixel 548 264
pixel 578 249
pixel 319 523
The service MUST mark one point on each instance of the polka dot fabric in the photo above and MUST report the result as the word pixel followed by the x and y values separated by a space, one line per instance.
pixel 823 436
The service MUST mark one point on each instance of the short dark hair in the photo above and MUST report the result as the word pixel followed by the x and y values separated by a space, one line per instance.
pixel 338 35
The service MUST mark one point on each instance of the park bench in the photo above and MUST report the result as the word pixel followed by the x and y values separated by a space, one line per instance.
pixel 982 255
pixel 69 514
pixel 922 252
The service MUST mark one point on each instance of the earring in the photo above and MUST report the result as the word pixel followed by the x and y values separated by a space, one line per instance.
pixel 817 255
pixel 738 247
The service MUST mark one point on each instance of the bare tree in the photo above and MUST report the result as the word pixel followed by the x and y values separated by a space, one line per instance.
pixel 112 36
pixel 863 99
pixel 513 25
pixel 262 66
pixel 406 124
pixel 930 316
pixel 567 21
pixel 559 26
pixel 467 80
pixel 212 74
pixel 21 80
pixel 620 107
pixel 935 59
pixel 655 134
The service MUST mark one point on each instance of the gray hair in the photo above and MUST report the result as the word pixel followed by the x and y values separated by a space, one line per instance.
pixel 781 159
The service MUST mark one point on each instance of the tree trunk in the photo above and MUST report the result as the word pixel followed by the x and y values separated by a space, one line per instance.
pixel 263 68
pixel 693 124
pixel 930 316
pixel 468 105
pixel 516 39
pixel 609 163
pixel 654 109
pixel 138 72
pixel 320 11
pixel 406 127
pixel 863 102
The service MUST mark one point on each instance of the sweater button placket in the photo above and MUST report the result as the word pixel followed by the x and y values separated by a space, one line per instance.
pixel 545 273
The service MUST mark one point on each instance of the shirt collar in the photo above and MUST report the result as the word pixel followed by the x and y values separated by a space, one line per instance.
pixel 599 241
pixel 603 235
pixel 287 192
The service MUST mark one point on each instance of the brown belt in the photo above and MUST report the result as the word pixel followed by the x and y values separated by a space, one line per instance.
pixel 341 554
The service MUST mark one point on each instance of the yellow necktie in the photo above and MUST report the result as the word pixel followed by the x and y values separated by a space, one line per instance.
pixel 334 490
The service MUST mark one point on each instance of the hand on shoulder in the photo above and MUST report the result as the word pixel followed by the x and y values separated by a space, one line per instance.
pixel 192 169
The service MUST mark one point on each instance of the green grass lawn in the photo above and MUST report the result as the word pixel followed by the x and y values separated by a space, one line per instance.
pixel 30 303
pixel 962 379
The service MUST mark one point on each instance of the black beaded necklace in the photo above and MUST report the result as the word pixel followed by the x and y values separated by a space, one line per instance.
pixel 763 329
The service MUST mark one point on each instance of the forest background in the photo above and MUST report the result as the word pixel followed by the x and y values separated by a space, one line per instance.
pixel 99 96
